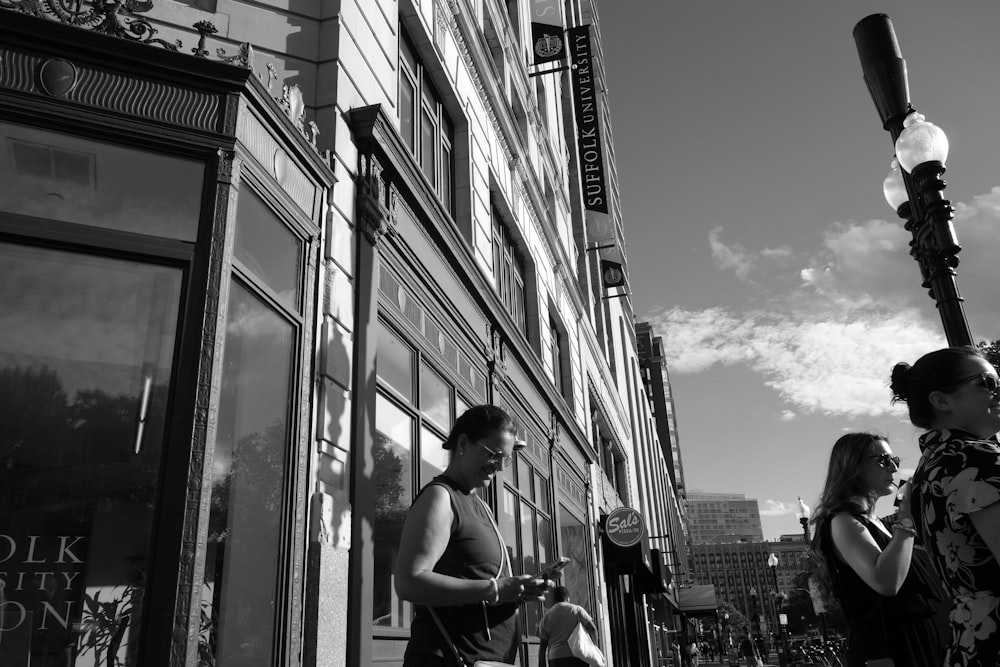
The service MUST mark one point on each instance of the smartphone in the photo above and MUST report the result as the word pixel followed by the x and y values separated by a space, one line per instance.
pixel 551 570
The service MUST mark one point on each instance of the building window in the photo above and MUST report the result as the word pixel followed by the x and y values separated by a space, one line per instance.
pixel 414 408
pixel 255 445
pixel 509 270
pixel 424 124
pixel 524 518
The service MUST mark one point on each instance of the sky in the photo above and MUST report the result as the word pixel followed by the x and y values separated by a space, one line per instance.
pixel 760 246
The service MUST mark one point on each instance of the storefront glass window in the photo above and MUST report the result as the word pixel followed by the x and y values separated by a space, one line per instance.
pixel 507 522
pixel 435 397
pixel 268 248
pixel 392 477
pixel 60 177
pixel 394 363
pixel 575 544
pixel 87 342
pixel 433 458
pixel 248 473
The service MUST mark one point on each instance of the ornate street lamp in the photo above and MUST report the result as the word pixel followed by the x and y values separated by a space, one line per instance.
pixel 772 562
pixel 914 185
pixel 802 512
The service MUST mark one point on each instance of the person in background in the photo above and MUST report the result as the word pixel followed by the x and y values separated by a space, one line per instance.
pixel 693 653
pixel 953 394
pixel 890 596
pixel 747 651
pixel 452 557
pixel 556 625
pixel 675 654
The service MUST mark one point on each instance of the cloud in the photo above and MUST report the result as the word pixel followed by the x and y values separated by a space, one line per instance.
pixel 787 416
pixel 730 257
pixel 827 344
pixel 734 257
pixel 777 508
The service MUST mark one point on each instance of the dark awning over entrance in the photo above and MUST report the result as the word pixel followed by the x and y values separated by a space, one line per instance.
pixel 698 599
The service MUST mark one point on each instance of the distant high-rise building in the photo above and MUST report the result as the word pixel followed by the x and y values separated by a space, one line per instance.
pixel 741 574
pixel 656 379
pixel 715 518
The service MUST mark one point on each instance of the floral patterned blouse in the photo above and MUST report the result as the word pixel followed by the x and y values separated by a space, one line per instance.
pixel 957 475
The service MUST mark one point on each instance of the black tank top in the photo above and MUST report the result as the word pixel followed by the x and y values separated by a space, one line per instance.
pixel 473 552
pixel 880 626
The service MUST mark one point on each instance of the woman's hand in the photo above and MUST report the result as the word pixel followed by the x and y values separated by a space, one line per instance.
pixel 903 509
pixel 523 588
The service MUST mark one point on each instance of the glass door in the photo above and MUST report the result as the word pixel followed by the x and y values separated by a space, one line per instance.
pixel 86 353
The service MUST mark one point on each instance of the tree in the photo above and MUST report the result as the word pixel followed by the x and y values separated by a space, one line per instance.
pixel 737 621
pixel 991 350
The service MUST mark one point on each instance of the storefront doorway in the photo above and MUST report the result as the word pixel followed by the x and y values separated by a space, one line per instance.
pixel 90 331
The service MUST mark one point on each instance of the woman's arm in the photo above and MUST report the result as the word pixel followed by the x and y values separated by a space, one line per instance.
pixel 425 537
pixel 424 540
pixel 883 571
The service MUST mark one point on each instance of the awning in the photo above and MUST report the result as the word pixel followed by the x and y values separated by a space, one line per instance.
pixel 635 559
pixel 699 599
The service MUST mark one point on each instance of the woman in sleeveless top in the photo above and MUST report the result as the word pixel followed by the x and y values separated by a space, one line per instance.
pixel 890 597
pixel 452 557
pixel 953 393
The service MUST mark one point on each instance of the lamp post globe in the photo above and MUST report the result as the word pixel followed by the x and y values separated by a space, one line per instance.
pixel 802 512
pixel 921 149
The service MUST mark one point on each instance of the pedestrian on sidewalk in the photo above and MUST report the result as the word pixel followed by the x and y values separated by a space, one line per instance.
pixel 953 394
pixel 557 624
pixel 693 653
pixel 888 591
pixel 452 562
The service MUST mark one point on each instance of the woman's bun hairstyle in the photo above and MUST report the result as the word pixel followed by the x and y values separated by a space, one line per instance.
pixel 900 382
pixel 477 422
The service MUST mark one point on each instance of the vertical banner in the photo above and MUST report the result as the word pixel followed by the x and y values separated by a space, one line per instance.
pixel 590 147
pixel 612 274
pixel 547 41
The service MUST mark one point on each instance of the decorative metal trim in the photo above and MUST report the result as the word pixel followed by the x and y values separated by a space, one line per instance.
pixel 118 18
pixel 376 201
pixel 114 92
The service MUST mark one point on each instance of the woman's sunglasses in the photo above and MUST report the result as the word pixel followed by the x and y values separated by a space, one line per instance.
pixel 885 460
pixel 504 460
pixel 987 382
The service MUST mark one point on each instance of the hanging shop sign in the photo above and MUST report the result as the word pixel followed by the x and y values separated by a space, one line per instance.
pixel 612 274
pixel 624 527
pixel 590 147
pixel 547 35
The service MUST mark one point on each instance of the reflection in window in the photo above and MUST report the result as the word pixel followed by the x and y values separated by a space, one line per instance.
pixel 435 397
pixel 576 545
pixel 392 477
pixel 267 247
pixel 248 471
pixel 57 176
pixel 83 340
pixel 433 457
pixel 394 363
pixel 507 522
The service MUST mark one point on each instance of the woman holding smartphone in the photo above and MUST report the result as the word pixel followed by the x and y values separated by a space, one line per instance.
pixel 887 590
pixel 452 562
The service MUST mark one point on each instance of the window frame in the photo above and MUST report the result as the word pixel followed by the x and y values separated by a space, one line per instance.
pixel 509 270
pixel 420 421
pixel 427 99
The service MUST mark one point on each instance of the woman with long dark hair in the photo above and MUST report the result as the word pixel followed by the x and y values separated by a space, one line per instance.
pixel 953 393
pixel 888 593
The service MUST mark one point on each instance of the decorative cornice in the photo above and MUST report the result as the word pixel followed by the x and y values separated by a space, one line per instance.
pixel 118 18
pixel 376 201
pixel 102 89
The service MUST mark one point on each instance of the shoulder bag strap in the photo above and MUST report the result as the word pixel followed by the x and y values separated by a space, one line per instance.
pixel 504 561
pixel 447 637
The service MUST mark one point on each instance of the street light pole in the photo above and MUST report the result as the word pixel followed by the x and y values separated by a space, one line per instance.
pixel 772 562
pixel 914 185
